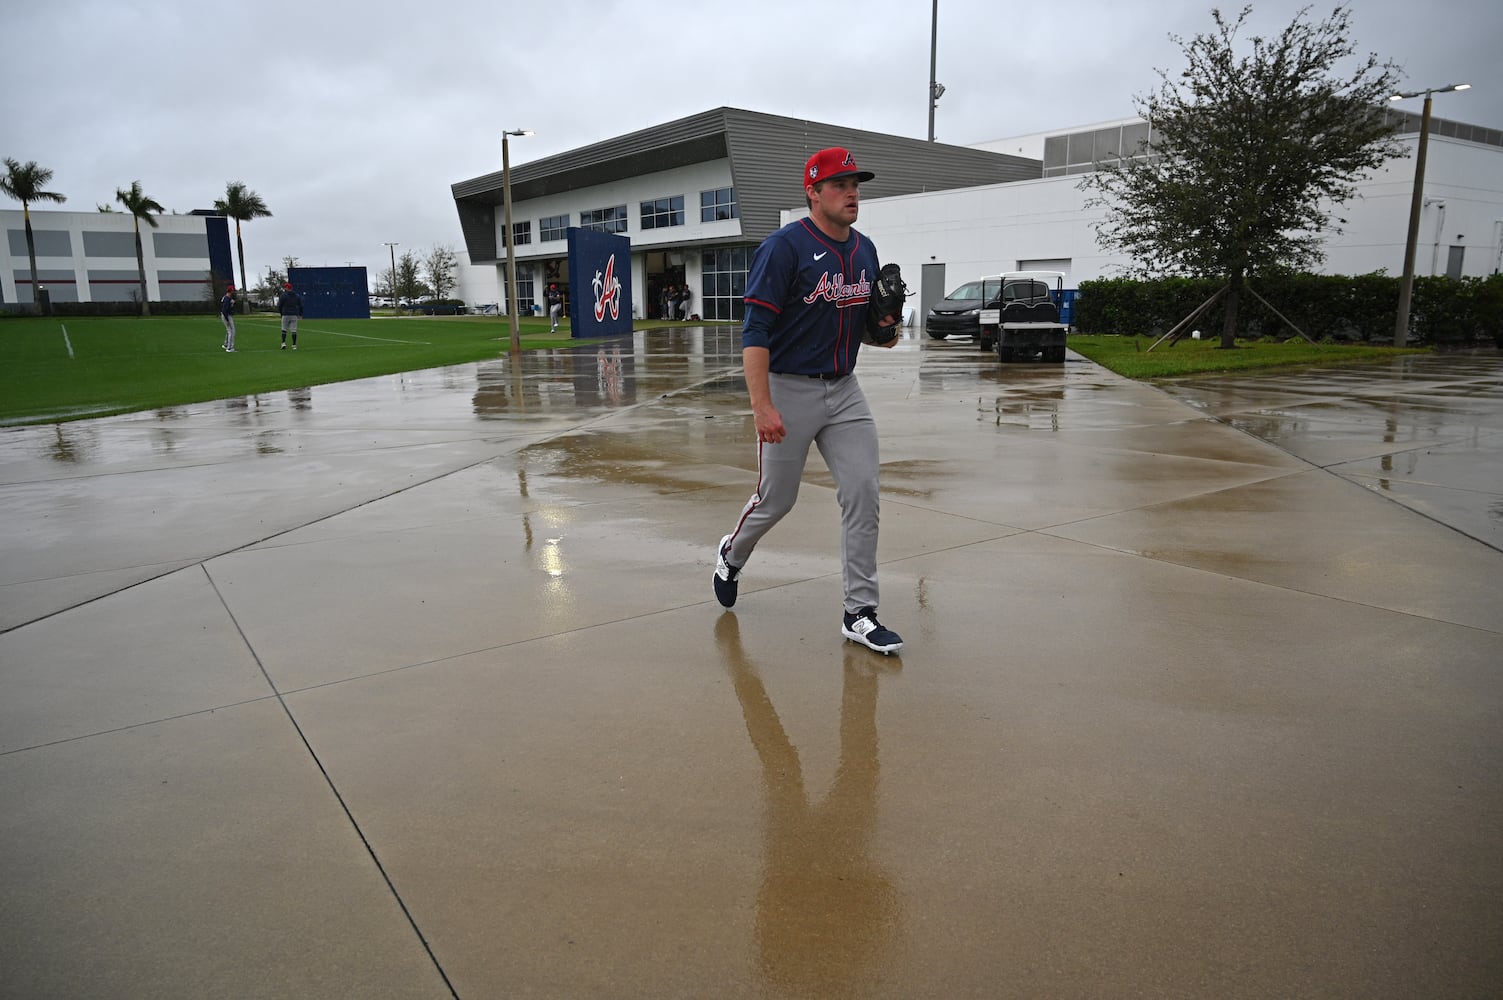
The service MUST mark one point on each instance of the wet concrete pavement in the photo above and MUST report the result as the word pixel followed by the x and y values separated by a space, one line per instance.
pixel 416 687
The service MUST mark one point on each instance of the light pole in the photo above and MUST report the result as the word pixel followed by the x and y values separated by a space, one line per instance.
pixel 511 250
pixel 393 248
pixel 936 90
pixel 1416 205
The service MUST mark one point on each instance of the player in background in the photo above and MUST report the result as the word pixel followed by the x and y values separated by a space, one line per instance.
pixel 806 302
pixel 227 313
pixel 555 301
pixel 290 305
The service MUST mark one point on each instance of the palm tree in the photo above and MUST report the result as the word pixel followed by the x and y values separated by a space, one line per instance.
pixel 141 205
pixel 241 204
pixel 25 185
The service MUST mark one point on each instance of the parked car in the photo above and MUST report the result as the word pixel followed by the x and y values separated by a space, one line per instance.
pixel 957 314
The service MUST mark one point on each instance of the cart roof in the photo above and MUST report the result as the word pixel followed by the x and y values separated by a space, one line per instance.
pixel 1054 276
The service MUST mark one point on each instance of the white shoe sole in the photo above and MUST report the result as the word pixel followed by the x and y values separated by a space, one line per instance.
pixel 863 640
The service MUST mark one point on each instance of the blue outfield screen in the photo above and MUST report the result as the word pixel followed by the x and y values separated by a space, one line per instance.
pixel 332 292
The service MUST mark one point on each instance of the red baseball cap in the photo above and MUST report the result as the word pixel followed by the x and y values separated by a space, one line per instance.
pixel 827 164
pixel 286 284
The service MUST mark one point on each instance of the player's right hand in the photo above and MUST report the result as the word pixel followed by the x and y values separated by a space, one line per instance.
pixel 770 429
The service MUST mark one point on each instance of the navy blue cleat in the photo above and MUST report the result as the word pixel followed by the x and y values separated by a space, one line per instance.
pixel 725 576
pixel 864 628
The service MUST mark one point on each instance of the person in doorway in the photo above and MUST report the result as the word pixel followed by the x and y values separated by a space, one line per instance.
pixel 684 298
pixel 227 313
pixel 807 293
pixel 555 305
pixel 290 305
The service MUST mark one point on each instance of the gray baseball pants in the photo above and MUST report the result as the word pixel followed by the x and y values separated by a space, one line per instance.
pixel 834 416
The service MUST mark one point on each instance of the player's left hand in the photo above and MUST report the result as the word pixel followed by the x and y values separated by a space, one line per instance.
pixel 888 294
pixel 888 329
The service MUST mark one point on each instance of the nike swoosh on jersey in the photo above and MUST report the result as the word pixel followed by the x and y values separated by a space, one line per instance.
pixel 819 255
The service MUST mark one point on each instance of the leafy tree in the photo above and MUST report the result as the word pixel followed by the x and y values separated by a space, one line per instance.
pixel 1249 154
pixel 270 284
pixel 140 205
pixel 241 204
pixel 439 266
pixel 409 283
pixel 24 183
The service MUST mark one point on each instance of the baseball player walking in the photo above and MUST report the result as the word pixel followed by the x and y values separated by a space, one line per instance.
pixel 807 293
pixel 555 305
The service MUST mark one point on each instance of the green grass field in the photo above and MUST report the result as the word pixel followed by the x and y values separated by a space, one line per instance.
pixel 70 368
pixel 1130 356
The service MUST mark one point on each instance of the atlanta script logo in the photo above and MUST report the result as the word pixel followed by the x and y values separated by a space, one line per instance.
pixel 832 288
pixel 607 292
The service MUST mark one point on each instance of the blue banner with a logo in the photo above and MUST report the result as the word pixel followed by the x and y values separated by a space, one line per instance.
pixel 599 283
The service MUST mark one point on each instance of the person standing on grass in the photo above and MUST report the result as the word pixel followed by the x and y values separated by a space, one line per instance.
pixel 555 305
pixel 227 313
pixel 290 305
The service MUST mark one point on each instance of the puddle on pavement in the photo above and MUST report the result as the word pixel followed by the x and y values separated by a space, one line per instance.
pixel 618 458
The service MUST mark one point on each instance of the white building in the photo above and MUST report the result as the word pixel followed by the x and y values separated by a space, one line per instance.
pixel 1045 223
pixel 927 209
pixel 91 256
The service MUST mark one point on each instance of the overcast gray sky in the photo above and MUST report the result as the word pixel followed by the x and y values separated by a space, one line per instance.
pixel 352 120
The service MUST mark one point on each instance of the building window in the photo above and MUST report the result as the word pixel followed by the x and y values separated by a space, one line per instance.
pixel 1135 139
pixel 723 283
pixel 521 232
pixel 605 220
pixel 717 205
pixel 525 294
pixel 663 213
pixel 1082 152
pixel 553 227
pixel 1054 154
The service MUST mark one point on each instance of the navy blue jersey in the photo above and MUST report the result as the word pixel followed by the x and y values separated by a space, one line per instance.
pixel 806 298
pixel 227 305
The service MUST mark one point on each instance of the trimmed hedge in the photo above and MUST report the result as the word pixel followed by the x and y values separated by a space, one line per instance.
pixel 1333 308
pixel 437 307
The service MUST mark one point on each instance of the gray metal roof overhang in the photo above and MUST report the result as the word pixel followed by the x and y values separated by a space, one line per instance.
pixel 699 139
